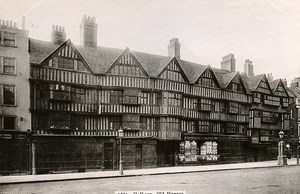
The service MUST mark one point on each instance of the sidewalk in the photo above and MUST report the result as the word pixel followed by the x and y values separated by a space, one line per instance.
pixel 139 172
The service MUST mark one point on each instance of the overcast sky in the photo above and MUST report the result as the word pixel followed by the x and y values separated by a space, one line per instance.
pixel 265 31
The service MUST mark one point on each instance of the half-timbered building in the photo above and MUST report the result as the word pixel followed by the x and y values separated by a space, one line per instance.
pixel 268 115
pixel 172 111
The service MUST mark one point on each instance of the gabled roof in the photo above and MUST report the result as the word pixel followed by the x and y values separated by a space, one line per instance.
pixel 99 59
pixel 254 81
pixel 183 68
pixel 193 70
pixel 142 66
pixel 100 55
pixel 273 84
pixel 40 50
pixel 219 75
pixel 293 93
pixel 227 78
pixel 151 62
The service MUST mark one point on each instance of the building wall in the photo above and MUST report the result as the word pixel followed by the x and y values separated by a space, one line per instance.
pixel 20 79
pixel 15 117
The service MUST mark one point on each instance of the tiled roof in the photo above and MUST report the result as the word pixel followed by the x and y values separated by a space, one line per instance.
pixel 100 55
pixel 192 70
pixel 101 58
pixel 273 84
pixel 253 81
pixel 293 93
pixel 39 50
pixel 228 77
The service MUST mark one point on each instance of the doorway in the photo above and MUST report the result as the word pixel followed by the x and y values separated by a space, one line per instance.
pixel 138 156
pixel 108 155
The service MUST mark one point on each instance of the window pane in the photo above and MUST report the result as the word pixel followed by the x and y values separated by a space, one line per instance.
pixel 9 95
pixel 9 65
pixel 9 39
pixel 9 123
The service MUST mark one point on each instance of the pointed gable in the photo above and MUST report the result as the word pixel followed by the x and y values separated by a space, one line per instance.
pixel 278 88
pixel 173 71
pixel 66 56
pixel 127 64
pixel 208 79
pixel 233 81
pixel 264 86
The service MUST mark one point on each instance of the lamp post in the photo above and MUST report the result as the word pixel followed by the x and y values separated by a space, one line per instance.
pixel 298 151
pixel 281 159
pixel 120 135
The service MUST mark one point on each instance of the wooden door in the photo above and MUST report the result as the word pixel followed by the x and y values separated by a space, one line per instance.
pixel 108 156
pixel 138 156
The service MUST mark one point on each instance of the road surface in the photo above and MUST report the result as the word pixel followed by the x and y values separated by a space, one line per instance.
pixel 264 180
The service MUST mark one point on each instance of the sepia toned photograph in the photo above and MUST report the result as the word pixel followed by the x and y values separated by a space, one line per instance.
pixel 149 97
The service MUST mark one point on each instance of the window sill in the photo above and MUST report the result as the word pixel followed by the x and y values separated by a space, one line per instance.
pixel 8 74
pixel 8 105
pixel 8 46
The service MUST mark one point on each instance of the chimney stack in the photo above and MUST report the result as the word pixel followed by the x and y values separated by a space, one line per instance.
pixel 228 63
pixel 284 82
pixel 248 68
pixel 270 77
pixel 58 35
pixel 23 22
pixel 174 48
pixel 88 31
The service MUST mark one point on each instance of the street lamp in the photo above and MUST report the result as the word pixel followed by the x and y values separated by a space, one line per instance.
pixel 298 151
pixel 281 159
pixel 120 135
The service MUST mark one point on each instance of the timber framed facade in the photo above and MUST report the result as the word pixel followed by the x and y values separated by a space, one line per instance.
pixel 173 112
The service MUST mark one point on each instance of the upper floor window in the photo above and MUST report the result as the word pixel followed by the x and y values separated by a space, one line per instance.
pixel 269 117
pixel 78 95
pixel 7 122
pixel 67 63
pixel 207 79
pixel 8 65
pixel 172 72
pixel 234 108
pixel 174 99
pixel 60 91
pixel 131 97
pixel 8 39
pixel 116 97
pixel 7 95
pixel 205 105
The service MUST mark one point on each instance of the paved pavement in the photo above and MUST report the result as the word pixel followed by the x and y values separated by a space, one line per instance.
pixel 139 172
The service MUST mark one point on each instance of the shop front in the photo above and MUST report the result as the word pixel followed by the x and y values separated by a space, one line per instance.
pixel 197 149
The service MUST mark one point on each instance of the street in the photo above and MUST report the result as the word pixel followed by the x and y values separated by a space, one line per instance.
pixel 263 180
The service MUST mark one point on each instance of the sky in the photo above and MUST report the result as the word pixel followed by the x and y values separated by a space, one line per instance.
pixel 266 32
